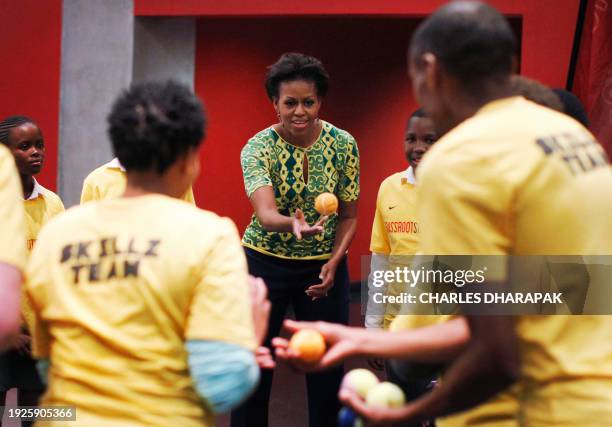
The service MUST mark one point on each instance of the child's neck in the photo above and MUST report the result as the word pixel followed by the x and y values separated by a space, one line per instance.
pixel 27 184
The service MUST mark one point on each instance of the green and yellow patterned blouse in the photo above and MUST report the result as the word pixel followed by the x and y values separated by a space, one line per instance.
pixel 333 166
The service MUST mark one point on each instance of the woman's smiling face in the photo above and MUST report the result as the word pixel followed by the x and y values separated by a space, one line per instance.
pixel 298 106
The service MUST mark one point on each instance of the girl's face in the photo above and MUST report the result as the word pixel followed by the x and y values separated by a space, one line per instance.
pixel 28 147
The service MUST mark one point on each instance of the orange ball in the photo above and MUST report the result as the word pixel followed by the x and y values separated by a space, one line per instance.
pixel 326 203
pixel 308 344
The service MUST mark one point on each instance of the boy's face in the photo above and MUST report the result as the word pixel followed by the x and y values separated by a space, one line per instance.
pixel 28 147
pixel 420 136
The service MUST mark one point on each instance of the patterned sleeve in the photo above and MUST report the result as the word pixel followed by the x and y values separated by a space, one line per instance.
pixel 348 187
pixel 255 161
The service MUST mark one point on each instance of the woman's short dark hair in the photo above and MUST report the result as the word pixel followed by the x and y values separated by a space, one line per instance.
pixel 152 124
pixel 296 66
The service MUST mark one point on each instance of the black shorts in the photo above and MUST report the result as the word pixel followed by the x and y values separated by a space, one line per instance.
pixel 19 371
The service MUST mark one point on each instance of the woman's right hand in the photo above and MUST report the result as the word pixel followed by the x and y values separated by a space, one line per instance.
pixel 302 229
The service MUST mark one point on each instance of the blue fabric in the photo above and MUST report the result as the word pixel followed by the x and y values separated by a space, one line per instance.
pixel 224 374
pixel 42 366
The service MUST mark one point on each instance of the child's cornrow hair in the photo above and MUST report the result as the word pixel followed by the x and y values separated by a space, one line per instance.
pixel 9 123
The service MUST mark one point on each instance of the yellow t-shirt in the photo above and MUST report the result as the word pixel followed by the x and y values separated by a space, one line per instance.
pixel 395 228
pixel 520 179
pixel 118 287
pixel 108 182
pixel 395 235
pixel 40 207
pixel 12 242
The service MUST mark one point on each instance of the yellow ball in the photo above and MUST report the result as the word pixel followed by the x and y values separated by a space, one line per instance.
pixel 361 381
pixel 308 344
pixel 385 395
pixel 326 203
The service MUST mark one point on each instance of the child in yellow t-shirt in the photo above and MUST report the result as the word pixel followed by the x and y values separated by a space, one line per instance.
pixel 24 139
pixel 142 308
pixel 108 181
pixel 395 229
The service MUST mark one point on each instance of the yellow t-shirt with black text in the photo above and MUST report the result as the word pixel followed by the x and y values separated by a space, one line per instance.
pixel 118 287
pixel 520 179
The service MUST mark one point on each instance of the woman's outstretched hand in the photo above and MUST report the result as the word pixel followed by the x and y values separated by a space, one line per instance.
pixel 302 229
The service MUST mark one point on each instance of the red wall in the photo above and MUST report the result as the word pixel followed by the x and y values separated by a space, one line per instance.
pixel 547 37
pixel 311 7
pixel 30 73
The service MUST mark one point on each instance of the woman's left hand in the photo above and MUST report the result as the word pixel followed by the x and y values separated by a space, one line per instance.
pixel 328 271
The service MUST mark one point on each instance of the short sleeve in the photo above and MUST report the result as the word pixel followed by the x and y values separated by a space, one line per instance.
pixel 38 279
pixel 348 188
pixel 89 191
pixel 464 209
pixel 221 307
pixel 379 241
pixel 58 206
pixel 255 162
pixel 12 216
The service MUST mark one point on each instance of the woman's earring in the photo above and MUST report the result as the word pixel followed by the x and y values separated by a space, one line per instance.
pixel 278 115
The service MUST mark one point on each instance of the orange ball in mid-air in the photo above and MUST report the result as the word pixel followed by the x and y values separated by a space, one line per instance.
pixel 326 203
pixel 308 344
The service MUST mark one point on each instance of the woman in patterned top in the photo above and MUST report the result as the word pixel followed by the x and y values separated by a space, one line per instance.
pixel 301 256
